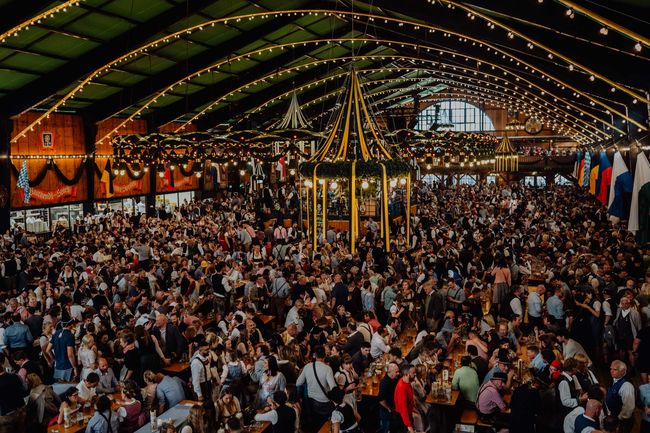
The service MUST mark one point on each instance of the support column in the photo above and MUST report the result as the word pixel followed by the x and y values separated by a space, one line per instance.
pixel 150 198
pixel 90 134
pixel 6 128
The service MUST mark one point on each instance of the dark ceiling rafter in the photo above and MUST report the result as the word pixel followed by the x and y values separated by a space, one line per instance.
pixel 132 95
pixel 416 10
pixel 202 97
pixel 434 57
pixel 557 30
pixel 545 84
pixel 16 13
pixel 126 98
pixel 309 98
pixel 52 82
pixel 216 116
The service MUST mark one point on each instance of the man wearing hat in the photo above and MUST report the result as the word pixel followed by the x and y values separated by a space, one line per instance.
pixel 489 403
pixel 501 366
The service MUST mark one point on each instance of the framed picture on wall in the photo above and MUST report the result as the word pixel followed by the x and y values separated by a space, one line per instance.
pixel 47 139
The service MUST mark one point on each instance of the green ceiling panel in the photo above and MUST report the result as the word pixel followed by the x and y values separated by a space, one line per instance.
pixel 185 22
pixel 31 62
pixel 10 80
pixel 63 18
pixel 210 79
pixel 139 10
pixel 253 47
pixel 122 78
pixel 98 91
pixel 149 65
pixel 180 50
pixel 213 35
pixel 100 26
pixel 187 89
pixel 65 46
pixel 27 37
pixel 224 8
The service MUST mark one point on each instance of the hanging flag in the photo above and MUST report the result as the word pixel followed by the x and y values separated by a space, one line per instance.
pixel 23 182
pixel 586 170
pixel 576 165
pixel 106 183
pixel 604 178
pixel 593 175
pixel 620 191
pixel 169 178
pixel 581 170
pixel 640 208
pixel 282 168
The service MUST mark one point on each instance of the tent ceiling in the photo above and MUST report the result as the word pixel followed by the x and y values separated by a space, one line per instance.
pixel 64 55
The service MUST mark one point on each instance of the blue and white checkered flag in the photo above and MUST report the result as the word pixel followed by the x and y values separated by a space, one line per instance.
pixel 23 182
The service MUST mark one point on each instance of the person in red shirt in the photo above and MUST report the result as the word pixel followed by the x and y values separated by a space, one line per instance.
pixel 404 399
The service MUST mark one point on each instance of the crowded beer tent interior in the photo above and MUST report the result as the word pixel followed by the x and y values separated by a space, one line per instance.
pixel 324 216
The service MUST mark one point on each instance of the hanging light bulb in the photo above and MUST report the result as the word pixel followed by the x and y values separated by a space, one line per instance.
pixel 334 185
pixel 364 184
pixel 292 172
pixel 321 181
pixel 308 184
pixel 604 31
pixel 393 183
pixel 638 47
pixel 402 181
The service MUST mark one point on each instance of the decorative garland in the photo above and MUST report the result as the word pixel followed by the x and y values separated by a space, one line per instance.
pixel 52 165
pixel 343 169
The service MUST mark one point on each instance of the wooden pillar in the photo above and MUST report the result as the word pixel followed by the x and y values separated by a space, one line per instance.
pixel 6 128
pixel 90 134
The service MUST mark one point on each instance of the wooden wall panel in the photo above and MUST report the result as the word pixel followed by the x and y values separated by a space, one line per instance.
pixel 51 186
pixel 137 126
pixel 123 186
pixel 181 183
pixel 66 129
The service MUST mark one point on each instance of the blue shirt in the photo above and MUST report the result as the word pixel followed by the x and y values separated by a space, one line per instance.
pixel 490 373
pixel 61 340
pixel 170 391
pixel 99 424
pixel 555 307
pixel 644 395
pixel 18 336
pixel 538 362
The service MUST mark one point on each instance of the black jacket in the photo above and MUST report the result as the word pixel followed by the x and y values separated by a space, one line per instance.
pixel 174 344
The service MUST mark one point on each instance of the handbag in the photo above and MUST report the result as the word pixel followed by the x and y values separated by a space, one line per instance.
pixel 319 407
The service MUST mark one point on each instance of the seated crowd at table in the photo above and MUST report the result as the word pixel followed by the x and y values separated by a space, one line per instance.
pixel 507 308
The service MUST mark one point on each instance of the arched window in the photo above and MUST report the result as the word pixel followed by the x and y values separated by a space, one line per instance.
pixel 462 115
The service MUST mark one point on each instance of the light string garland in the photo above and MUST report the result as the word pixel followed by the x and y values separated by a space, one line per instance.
pixel 200 27
pixel 596 131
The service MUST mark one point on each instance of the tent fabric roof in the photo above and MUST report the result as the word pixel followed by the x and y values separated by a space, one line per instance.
pixel 212 61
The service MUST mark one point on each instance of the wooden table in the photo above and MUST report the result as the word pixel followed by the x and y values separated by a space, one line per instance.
pixel 177 415
pixel 326 428
pixel 444 402
pixel 88 413
pixel 265 318
pixel 176 368
pixel 257 427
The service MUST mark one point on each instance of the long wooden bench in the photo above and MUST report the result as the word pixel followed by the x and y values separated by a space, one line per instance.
pixel 470 417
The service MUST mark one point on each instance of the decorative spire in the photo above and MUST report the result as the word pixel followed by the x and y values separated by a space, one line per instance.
pixel 294 118
pixel 354 135
pixel 507 158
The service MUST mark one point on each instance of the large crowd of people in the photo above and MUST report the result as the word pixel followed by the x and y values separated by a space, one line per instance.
pixel 529 303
